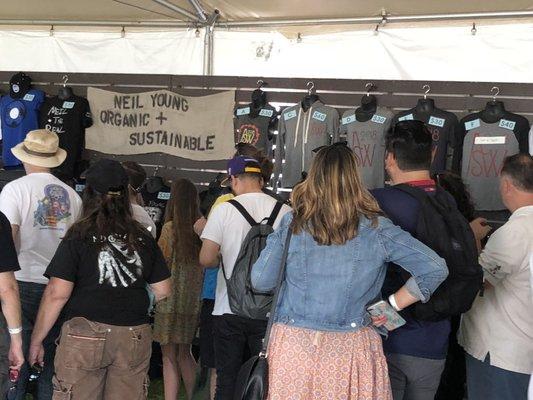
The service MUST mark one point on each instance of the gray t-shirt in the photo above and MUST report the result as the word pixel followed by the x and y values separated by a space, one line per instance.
pixel 484 148
pixel 367 140
pixel 253 126
pixel 300 132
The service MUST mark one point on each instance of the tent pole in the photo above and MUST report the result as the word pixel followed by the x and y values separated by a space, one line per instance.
pixel 127 24
pixel 376 20
pixel 177 9
pixel 199 10
pixel 208 50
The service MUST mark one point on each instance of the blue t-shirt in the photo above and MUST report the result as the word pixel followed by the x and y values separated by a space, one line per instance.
pixel 425 339
pixel 210 283
pixel 19 116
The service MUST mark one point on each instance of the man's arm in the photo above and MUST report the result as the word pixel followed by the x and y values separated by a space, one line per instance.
pixel 15 232
pixel 9 298
pixel 55 297
pixel 209 254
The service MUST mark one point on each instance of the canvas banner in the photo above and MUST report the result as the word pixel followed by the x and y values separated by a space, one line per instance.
pixel 197 128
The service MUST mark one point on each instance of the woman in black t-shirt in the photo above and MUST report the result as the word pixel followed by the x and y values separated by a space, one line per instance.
pixel 100 274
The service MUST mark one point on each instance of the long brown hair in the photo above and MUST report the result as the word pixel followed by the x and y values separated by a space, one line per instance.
pixel 105 215
pixel 183 210
pixel 330 202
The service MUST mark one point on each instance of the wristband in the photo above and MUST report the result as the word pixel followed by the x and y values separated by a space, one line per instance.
pixel 393 303
pixel 14 331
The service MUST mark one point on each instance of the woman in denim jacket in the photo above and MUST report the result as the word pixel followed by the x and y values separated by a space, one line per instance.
pixel 324 345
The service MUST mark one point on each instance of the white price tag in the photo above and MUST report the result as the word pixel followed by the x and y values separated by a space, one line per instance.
pixel 319 116
pixel 266 113
pixel 472 124
pixel 28 97
pixel 489 140
pixel 68 104
pixel 506 124
pixel 436 121
pixel 289 115
pixel 243 111
pixel 378 119
pixel 408 117
pixel 163 195
pixel 349 119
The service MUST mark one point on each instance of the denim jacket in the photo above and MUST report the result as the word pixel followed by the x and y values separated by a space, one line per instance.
pixel 328 288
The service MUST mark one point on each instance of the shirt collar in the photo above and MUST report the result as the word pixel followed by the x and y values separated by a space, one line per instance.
pixel 523 211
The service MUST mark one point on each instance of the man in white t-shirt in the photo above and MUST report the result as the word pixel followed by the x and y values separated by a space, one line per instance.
pixel 40 209
pixel 235 336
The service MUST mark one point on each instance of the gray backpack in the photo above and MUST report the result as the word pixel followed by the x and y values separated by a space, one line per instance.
pixel 243 300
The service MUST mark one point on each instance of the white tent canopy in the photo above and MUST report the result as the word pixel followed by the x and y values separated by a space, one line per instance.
pixel 498 51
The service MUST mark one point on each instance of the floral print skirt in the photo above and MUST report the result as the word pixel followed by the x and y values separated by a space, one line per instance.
pixel 306 364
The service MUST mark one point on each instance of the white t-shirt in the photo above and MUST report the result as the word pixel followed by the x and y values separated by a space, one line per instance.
pixel 227 227
pixel 141 216
pixel 44 208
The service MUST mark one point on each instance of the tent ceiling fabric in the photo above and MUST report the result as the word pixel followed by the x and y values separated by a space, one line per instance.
pixel 244 10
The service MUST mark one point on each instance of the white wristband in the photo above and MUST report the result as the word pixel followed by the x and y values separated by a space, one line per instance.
pixel 14 331
pixel 393 303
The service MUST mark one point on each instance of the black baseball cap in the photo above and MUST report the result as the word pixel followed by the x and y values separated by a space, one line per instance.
pixel 107 177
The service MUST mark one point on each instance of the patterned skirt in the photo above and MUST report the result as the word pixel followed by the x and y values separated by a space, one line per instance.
pixel 313 365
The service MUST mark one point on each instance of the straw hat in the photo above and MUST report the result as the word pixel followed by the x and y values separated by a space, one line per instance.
pixel 40 148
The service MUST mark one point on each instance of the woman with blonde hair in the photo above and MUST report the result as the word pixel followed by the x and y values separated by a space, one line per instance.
pixel 324 342
pixel 177 317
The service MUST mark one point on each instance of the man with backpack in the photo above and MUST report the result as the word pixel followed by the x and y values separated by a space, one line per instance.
pixel 234 235
pixel 416 352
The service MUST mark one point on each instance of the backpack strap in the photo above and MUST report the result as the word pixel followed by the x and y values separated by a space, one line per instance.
pixel 243 211
pixel 417 193
pixel 274 214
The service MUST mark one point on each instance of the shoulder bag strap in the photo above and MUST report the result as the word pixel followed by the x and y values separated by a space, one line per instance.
pixel 281 277
pixel 243 212
pixel 274 214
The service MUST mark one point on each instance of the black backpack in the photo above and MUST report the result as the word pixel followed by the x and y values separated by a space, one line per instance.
pixel 443 228
pixel 243 300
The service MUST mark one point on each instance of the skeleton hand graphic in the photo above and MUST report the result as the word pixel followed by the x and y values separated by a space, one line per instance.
pixel 112 270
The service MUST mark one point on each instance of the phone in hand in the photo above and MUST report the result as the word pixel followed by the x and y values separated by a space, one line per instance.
pixel 382 308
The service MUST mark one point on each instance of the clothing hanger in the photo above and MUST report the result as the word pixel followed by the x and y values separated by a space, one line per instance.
pixel 65 91
pixel 425 105
pixel 311 96
pixel 369 101
pixel 259 97
pixel 494 110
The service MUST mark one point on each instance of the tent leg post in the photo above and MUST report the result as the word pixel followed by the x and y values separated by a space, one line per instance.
pixel 208 50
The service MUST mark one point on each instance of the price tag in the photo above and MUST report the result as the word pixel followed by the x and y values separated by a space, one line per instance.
pixel 378 119
pixel 436 121
pixel 289 115
pixel 348 120
pixel 489 140
pixel 506 124
pixel 319 116
pixel 243 111
pixel 79 188
pixel 68 104
pixel 266 113
pixel 28 97
pixel 163 195
pixel 408 117
pixel 472 124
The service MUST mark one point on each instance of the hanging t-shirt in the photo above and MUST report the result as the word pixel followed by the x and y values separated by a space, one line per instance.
pixel 531 145
pixel 228 228
pixel 111 275
pixel 44 208
pixel 367 140
pixel 443 126
pixel 68 119
pixel 19 116
pixel 480 152
pixel 141 216
pixel 155 205
pixel 254 126
pixel 8 253
pixel 300 132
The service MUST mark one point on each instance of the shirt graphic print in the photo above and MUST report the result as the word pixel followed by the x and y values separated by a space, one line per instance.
pixel 118 265
pixel 53 208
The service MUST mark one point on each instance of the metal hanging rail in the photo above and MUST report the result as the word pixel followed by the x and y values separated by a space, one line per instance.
pixel 269 23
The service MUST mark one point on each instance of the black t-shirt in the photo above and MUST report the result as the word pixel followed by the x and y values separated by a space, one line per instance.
pixel 8 253
pixel 155 205
pixel 68 119
pixel 443 126
pixel 109 280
